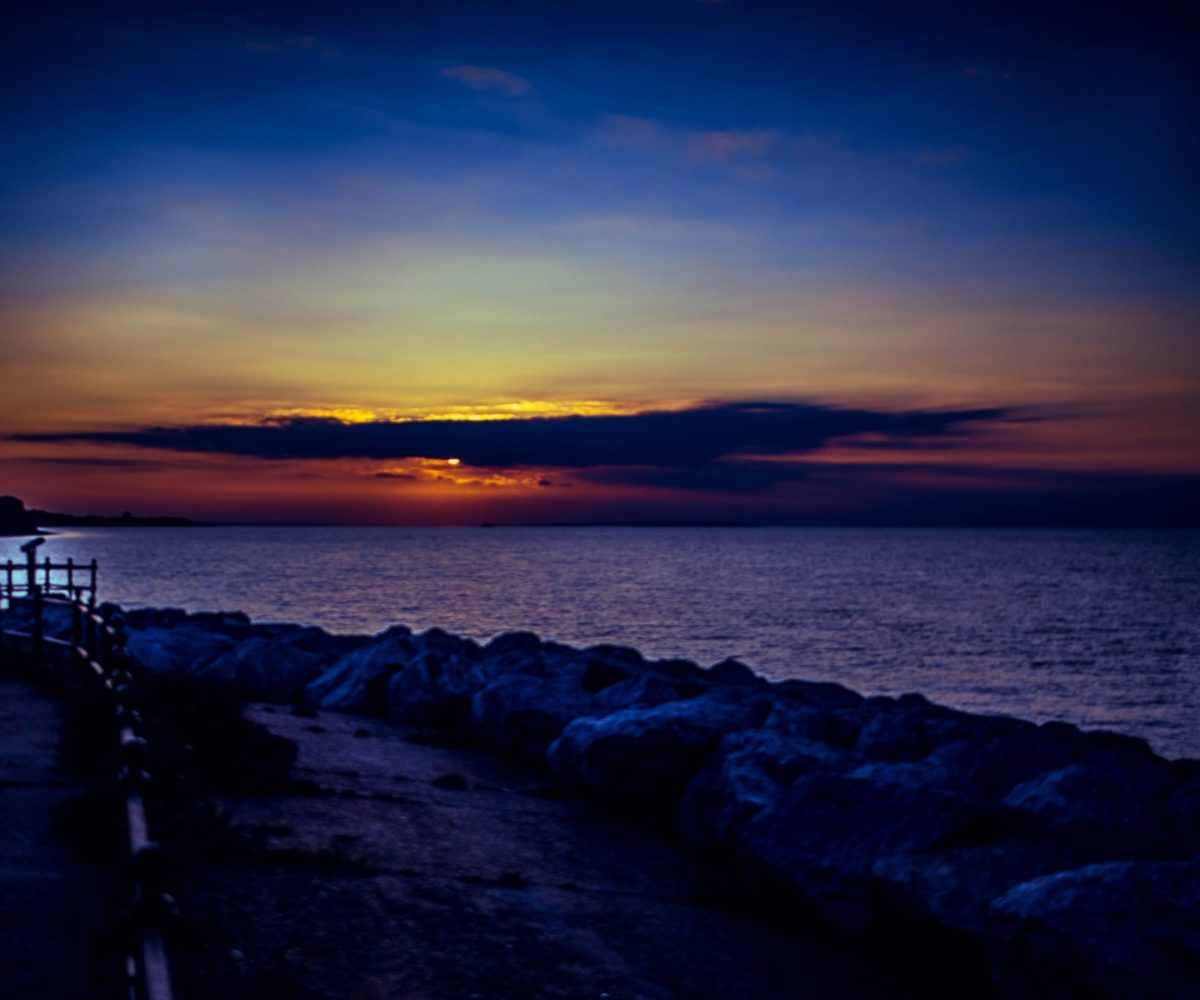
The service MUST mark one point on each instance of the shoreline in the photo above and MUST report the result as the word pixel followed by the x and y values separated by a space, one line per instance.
pixel 869 815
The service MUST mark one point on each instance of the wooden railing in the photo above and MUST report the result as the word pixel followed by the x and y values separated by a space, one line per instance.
pixel 96 652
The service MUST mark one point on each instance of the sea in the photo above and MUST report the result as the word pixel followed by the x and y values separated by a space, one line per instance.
pixel 1098 628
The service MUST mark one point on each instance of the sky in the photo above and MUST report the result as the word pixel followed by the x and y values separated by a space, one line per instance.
pixel 727 261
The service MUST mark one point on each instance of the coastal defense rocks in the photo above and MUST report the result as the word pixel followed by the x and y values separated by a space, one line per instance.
pixel 182 649
pixel 261 661
pixel 890 815
pixel 649 754
pixel 358 681
pixel 821 838
pixel 748 772
pixel 523 712
pixel 14 518
pixel 435 684
pixel 1118 931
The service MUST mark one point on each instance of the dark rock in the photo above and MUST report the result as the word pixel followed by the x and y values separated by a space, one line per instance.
pixel 748 772
pixel 435 684
pixel 680 670
pixel 1184 811
pixel 1134 793
pixel 145 618
pixel 954 889
pixel 822 837
pixel 358 681
pixel 910 727
pixel 599 674
pixel 265 669
pixel 186 648
pixel 1117 931
pixel 522 714
pixel 801 719
pixel 625 657
pixel 650 753
pixel 819 694
pixel 730 671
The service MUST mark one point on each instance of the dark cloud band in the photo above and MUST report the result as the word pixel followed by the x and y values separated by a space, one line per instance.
pixel 679 439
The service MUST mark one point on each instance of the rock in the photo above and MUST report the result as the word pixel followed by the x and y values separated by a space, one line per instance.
pixel 730 671
pixel 436 684
pixel 817 694
pixel 140 619
pixel 1132 793
pixel 910 727
pixel 14 518
pixel 1127 930
pixel 56 618
pixel 822 837
pixel 521 714
pixel 1184 810
pixel 684 671
pixel 954 889
pixel 265 669
pixel 358 681
pixel 748 772
pixel 651 753
pixel 187 648
pixel 804 720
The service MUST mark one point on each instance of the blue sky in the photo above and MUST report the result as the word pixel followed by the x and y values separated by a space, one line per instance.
pixel 397 210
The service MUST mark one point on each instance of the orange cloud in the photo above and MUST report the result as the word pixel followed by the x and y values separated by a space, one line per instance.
pixel 488 78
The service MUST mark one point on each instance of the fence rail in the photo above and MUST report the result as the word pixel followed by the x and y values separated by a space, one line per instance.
pixel 96 653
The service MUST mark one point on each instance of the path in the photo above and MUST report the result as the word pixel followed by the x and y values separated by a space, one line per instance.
pixel 53 908
pixel 424 873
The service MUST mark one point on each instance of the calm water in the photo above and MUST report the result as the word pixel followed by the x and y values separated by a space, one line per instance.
pixel 1097 628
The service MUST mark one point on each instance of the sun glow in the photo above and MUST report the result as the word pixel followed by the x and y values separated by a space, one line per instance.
pixel 518 409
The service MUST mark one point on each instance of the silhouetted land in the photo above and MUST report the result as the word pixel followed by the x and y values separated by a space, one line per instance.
pixel 54 519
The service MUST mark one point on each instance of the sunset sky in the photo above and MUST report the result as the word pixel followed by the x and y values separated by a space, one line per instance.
pixel 727 260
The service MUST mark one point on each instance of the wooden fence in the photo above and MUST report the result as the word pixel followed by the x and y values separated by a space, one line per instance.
pixel 96 654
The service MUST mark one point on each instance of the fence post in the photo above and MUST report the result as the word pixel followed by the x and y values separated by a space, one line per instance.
pixel 76 625
pixel 92 652
pixel 37 626
pixel 92 584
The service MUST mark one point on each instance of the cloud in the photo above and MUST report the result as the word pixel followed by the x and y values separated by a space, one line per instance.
pixel 679 439
pixel 721 145
pixel 308 45
pixel 748 144
pixel 488 78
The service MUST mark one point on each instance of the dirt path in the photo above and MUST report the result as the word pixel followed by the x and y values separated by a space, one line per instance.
pixel 54 911
pixel 410 871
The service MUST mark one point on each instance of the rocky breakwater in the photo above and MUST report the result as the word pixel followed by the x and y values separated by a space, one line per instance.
pixel 1067 861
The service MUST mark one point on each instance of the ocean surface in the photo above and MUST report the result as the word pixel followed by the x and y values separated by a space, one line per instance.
pixel 1100 628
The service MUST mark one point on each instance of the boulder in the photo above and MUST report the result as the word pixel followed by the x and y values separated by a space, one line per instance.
pixel 650 753
pixel 803 719
pixel 748 772
pixel 521 714
pixel 264 669
pixel 821 838
pixel 1132 792
pixel 436 684
pixel 1116 931
pixel 186 648
pixel 910 727
pixel 358 681
pixel 955 888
